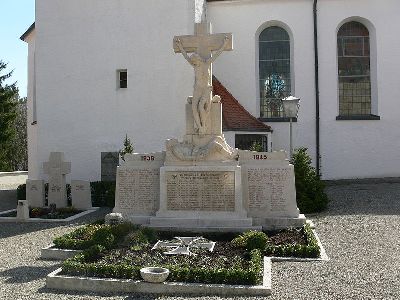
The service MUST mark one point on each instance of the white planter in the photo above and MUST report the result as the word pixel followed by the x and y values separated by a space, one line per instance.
pixel 154 274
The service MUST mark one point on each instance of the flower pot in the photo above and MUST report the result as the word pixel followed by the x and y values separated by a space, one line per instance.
pixel 154 274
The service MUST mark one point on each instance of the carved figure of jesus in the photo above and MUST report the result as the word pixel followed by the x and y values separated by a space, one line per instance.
pixel 202 94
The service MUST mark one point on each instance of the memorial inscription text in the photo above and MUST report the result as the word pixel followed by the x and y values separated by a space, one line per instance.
pixel 267 188
pixel 139 189
pixel 201 190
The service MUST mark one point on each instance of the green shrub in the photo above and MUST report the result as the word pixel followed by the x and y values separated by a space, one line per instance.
pixel 93 252
pixel 121 230
pixel 139 238
pixel 310 193
pixel 21 192
pixel 103 193
pixel 104 237
pixel 79 239
pixel 251 240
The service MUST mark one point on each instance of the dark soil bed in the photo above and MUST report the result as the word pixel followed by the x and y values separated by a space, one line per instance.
pixel 44 213
pixel 225 255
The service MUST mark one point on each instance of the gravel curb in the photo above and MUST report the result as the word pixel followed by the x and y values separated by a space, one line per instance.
pixel 360 233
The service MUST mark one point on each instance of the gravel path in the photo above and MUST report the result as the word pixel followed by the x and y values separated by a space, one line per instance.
pixel 360 232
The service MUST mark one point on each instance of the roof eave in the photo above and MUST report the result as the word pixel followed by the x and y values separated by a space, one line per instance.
pixel 28 32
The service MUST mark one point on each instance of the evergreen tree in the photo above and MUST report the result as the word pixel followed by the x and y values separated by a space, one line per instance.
pixel 18 150
pixel 8 114
pixel 128 148
pixel 310 194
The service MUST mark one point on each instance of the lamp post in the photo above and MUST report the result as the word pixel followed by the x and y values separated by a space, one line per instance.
pixel 291 106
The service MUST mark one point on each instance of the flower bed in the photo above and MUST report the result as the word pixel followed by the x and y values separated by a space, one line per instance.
pixel 47 213
pixel 120 251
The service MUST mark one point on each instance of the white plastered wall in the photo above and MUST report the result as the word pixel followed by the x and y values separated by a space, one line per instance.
pixel 238 70
pixel 349 149
pixel 79 47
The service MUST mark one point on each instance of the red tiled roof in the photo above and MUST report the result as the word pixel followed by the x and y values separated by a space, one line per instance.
pixel 234 116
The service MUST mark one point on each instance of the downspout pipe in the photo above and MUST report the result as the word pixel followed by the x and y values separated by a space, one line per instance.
pixel 316 63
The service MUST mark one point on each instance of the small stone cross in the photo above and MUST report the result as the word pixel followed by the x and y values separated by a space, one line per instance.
pixel 57 168
pixel 183 244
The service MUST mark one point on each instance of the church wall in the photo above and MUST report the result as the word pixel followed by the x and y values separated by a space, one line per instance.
pixel 80 47
pixel 31 107
pixel 349 149
pixel 353 149
pixel 238 70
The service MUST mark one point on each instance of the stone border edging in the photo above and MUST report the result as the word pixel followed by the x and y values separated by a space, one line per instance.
pixel 69 283
pixel 38 220
pixel 51 253
pixel 17 173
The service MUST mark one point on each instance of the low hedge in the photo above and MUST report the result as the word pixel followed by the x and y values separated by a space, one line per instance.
pixel 103 193
pixel 83 265
pixel 311 250
pixel 94 234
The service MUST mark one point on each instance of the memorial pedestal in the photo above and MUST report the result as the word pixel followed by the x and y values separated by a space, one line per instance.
pixel 201 197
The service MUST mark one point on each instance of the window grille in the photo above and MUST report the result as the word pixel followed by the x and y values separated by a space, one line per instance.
pixel 354 70
pixel 249 141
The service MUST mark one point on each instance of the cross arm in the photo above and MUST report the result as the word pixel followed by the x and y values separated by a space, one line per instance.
pixel 191 42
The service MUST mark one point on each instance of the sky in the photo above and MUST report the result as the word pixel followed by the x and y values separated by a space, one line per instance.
pixel 15 18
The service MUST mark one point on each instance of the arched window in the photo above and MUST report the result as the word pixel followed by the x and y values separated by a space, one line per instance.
pixel 354 70
pixel 274 71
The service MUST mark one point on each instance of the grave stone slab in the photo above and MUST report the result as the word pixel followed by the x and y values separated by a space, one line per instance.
pixel 109 164
pixel 35 192
pixel 138 186
pixel 81 194
pixel 23 210
pixel 57 168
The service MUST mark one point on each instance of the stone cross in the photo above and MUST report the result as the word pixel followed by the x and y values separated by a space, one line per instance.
pixel 206 47
pixel 57 168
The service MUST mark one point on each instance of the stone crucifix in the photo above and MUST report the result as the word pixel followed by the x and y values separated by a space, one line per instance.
pixel 57 168
pixel 206 47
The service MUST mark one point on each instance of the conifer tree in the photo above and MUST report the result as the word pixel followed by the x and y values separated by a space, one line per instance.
pixel 8 114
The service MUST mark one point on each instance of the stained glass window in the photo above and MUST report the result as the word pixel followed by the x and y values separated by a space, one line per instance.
pixel 354 70
pixel 274 71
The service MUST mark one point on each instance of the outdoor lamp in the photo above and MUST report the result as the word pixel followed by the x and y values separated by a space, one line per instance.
pixel 291 106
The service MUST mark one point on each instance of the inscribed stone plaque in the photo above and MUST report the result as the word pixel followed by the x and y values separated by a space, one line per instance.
pixel 109 163
pixel 81 194
pixel 271 189
pixel 138 190
pixel 200 190
pixel 35 193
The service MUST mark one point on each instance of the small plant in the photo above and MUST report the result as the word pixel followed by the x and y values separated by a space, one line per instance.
pixel 21 192
pixel 128 148
pixel 104 237
pixel 310 193
pixel 256 146
pixel 251 240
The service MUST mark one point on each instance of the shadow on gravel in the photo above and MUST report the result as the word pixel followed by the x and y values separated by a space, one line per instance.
pixel 84 295
pixel 19 228
pixel 15 229
pixel 25 274
pixel 8 200
pixel 363 199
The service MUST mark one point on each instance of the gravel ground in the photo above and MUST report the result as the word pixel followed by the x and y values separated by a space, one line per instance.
pixel 360 232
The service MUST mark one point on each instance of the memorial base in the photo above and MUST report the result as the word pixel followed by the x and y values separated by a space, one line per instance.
pixel 280 223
